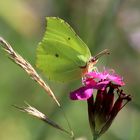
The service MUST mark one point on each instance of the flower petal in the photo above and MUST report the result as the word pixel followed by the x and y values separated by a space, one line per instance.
pixel 82 93
pixel 106 75
pixel 96 85
pixel 116 79
pixel 89 82
pixel 98 75
pixel 101 85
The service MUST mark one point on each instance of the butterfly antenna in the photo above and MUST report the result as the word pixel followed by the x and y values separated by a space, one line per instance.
pixel 96 57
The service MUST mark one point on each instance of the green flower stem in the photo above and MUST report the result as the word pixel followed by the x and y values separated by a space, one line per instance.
pixel 95 137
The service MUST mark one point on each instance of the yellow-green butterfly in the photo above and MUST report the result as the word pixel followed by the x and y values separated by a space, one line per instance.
pixel 61 54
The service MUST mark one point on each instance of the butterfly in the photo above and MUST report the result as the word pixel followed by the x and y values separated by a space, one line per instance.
pixel 61 54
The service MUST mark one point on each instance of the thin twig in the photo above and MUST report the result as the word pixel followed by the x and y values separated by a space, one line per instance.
pixel 27 67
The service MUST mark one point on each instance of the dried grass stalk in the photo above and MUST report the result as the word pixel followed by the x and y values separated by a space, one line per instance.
pixel 37 114
pixel 27 67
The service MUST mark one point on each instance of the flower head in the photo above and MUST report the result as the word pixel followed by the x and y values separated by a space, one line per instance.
pixel 95 80
pixel 103 109
pixel 107 75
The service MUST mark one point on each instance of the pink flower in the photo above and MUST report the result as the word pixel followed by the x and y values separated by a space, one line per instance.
pixel 107 76
pixel 95 80
pixel 103 109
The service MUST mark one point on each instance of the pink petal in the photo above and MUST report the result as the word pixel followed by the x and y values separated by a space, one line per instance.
pixel 102 85
pixel 82 93
pixel 96 85
pixel 106 75
pixel 98 75
pixel 116 79
pixel 89 81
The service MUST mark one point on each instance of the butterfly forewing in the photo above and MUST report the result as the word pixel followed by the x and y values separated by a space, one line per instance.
pixel 61 53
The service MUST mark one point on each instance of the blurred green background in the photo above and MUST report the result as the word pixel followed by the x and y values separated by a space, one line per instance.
pixel 112 24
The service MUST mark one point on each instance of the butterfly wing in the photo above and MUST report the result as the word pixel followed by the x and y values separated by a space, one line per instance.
pixel 61 53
